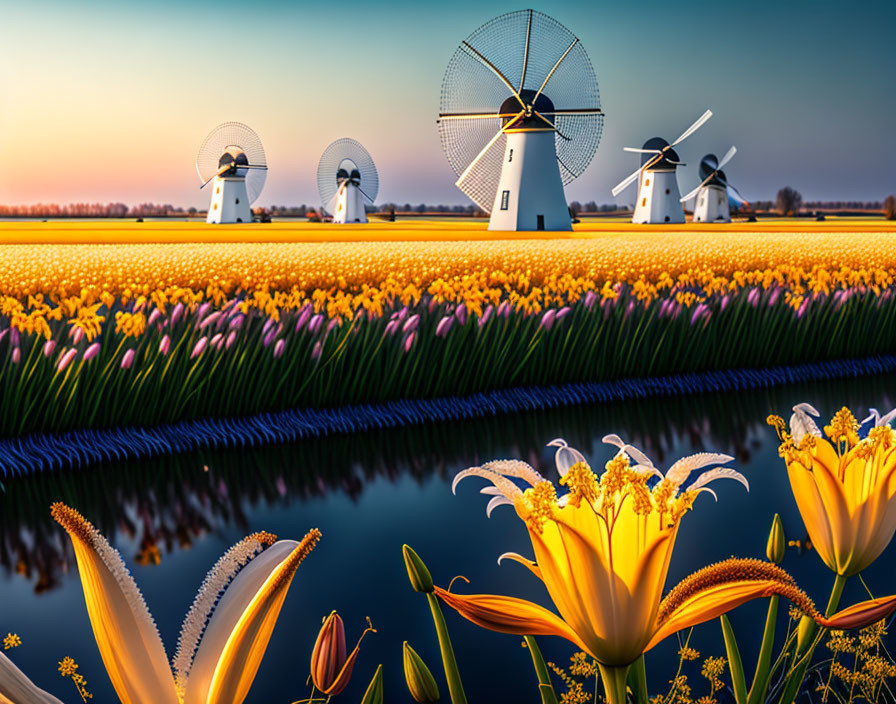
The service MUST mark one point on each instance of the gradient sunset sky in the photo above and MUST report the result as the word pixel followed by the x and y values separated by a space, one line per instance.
pixel 109 101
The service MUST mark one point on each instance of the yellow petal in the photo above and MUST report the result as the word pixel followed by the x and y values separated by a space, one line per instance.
pixel 248 641
pixel 125 633
pixel 507 614
pixel 815 514
pixel 16 688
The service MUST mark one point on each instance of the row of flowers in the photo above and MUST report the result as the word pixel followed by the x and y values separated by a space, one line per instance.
pixel 192 354
pixel 602 546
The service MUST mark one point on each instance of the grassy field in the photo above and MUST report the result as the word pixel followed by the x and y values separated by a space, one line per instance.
pixel 422 229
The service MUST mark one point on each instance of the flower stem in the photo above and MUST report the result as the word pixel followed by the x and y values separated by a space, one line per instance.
pixel 795 678
pixel 452 674
pixel 614 679
pixel 759 688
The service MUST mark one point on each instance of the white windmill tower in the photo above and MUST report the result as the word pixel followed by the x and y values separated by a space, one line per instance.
pixel 232 160
pixel 520 118
pixel 659 200
pixel 346 179
pixel 713 192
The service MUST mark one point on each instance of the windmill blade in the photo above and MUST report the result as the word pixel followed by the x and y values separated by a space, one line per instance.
pixel 554 68
pixel 491 143
pixel 252 166
pixel 736 194
pixel 725 159
pixel 697 189
pixel 211 178
pixel 622 185
pixel 526 51
pixel 693 128
pixel 575 111
pixel 635 150
pixel 476 115
pixel 541 117
pixel 494 70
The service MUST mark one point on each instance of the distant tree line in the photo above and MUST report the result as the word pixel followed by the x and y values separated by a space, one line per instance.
pixel 93 210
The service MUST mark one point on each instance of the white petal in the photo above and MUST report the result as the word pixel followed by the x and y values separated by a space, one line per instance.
pixel 647 469
pixel 566 457
pixel 707 489
pixel 633 452
pixel 681 470
pixel 490 491
pixel 504 485
pixel 888 418
pixel 801 423
pixel 613 439
pixel 718 473
pixel 515 468
pixel 807 408
pixel 16 688
pixel 495 502
pixel 557 442
pixel 563 500
pixel 228 612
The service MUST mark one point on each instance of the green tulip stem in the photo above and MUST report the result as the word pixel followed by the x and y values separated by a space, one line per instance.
pixel 614 679
pixel 452 675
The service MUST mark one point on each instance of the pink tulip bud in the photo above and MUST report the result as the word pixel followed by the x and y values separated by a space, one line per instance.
pixel 16 354
pixel 77 334
pixel 444 326
pixel 199 347
pixel 236 322
pixel 14 337
pixel 504 309
pixel 487 315
pixel 333 324
pixel 269 337
pixel 128 359
pixel 153 317
pixel 278 348
pixel 304 316
pixel 217 341
pixel 409 341
pixel 432 305
pixel 628 309
pixel 803 306
pixel 776 294
pixel 316 322
pixel 231 338
pixel 67 358
pixel 411 324
pixel 3 333
pixel 49 348
pixel 547 319
pixel 753 297
pixel 210 320
pixel 177 313
pixel 403 313
pixel 201 311
pixel 268 324
pixel 164 345
pixel 316 351
pixel 461 313
pixel 391 328
pixel 725 300
pixel 590 298
pixel 91 351
pixel 563 312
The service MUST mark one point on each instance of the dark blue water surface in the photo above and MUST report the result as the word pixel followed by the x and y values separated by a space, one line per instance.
pixel 369 494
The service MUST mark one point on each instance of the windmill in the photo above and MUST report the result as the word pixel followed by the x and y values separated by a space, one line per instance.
pixel 714 190
pixel 346 178
pixel 520 118
pixel 232 159
pixel 658 194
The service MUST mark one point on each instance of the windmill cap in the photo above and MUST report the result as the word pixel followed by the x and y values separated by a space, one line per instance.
pixel 543 104
pixel 664 163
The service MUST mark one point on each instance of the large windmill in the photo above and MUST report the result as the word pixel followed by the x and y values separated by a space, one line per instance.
pixel 519 118
pixel 346 179
pixel 658 194
pixel 231 159
pixel 714 191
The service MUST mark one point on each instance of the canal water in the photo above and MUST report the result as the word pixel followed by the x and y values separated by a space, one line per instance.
pixel 370 493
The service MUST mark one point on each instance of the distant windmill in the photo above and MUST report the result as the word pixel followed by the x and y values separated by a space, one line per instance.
pixel 658 194
pixel 346 178
pixel 714 190
pixel 232 159
pixel 519 118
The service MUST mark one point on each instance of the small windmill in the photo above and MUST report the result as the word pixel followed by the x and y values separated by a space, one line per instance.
pixel 658 194
pixel 232 159
pixel 346 179
pixel 520 118
pixel 714 190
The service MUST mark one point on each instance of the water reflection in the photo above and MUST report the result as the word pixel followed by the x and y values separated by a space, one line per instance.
pixel 371 492
pixel 167 504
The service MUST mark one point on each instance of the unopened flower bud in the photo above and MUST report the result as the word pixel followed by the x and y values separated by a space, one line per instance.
pixel 421 579
pixel 421 684
pixel 777 543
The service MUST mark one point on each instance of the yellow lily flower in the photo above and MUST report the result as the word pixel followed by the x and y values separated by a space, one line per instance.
pixel 603 551
pixel 223 638
pixel 845 487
